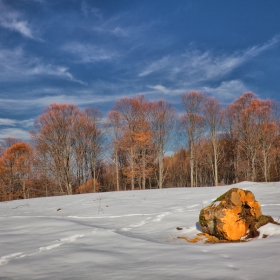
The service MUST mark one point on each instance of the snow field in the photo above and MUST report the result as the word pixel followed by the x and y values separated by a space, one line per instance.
pixel 131 235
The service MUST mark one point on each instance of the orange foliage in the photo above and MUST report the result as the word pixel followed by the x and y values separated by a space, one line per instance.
pixel 17 158
pixel 69 147
pixel 15 167
pixel 136 142
pixel 88 187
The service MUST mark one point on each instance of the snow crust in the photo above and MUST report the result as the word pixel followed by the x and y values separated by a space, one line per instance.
pixel 132 235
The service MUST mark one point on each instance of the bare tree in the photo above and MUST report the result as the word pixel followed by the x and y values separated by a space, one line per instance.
pixel 163 120
pixel 212 112
pixel 53 137
pixel 136 138
pixel 267 122
pixel 193 123
pixel 95 140
pixel 114 122
pixel 244 111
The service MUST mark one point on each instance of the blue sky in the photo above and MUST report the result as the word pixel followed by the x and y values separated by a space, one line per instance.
pixel 92 53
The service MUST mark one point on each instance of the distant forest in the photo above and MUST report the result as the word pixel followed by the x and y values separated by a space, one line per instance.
pixel 143 144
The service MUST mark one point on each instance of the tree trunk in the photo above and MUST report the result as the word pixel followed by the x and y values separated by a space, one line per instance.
pixel 23 189
pixel 160 169
pixel 254 168
pixel 117 170
pixel 132 170
pixel 215 163
pixel 94 177
pixel 265 163
pixel 192 163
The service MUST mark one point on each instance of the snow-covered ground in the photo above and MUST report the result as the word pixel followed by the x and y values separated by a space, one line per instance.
pixel 131 235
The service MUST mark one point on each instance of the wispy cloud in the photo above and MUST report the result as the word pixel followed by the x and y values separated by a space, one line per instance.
pixel 53 70
pixel 14 133
pixel 115 26
pixel 155 66
pixel 15 128
pixel 227 90
pixel 204 71
pixel 77 99
pixel 12 122
pixel 15 21
pixel 16 65
pixel 106 29
pixel 88 53
pixel 8 122
pixel 30 103
pixel 164 90
pixel 88 10
pixel 194 65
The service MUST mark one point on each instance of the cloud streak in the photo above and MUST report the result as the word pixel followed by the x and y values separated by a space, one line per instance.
pixel 88 53
pixel 16 65
pixel 195 66
pixel 156 66
pixel 14 21
pixel 15 128
pixel 13 122
pixel 203 71
pixel 28 103
pixel 14 133
pixel 226 90
pixel 87 10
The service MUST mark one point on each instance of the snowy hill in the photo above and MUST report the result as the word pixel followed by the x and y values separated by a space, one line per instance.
pixel 131 235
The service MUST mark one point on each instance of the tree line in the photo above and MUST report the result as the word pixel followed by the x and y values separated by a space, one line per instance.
pixel 143 144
